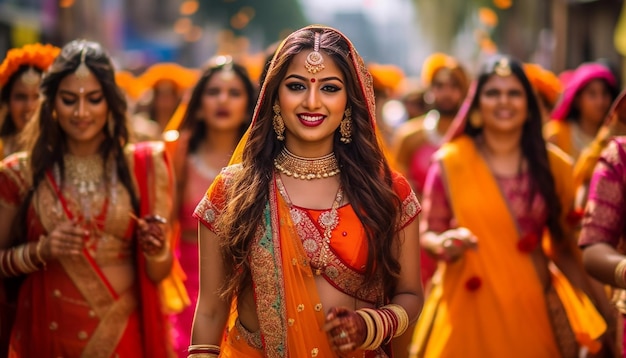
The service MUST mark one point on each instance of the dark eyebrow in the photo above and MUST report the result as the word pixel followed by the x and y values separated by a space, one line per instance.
pixel 62 91
pixel 325 79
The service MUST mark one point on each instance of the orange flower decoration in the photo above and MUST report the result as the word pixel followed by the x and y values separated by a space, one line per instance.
pixel 36 55
pixel 129 84
pixel 545 82
pixel 183 77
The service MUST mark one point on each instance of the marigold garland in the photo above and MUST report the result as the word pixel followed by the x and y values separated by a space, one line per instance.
pixel 37 55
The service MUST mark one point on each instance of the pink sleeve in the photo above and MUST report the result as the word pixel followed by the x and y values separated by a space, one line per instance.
pixel 603 220
pixel 438 215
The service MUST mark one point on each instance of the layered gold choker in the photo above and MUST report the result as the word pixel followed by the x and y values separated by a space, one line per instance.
pixel 306 168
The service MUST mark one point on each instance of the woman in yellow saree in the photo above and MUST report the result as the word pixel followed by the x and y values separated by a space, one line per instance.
pixel 312 239
pixel 491 195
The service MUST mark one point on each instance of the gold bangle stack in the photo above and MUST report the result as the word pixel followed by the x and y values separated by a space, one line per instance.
pixel 402 316
pixel 383 324
pixel 203 351
pixel 17 261
pixel 620 271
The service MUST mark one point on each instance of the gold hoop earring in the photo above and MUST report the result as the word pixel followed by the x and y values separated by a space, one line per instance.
pixel 475 119
pixel 111 125
pixel 345 127
pixel 279 124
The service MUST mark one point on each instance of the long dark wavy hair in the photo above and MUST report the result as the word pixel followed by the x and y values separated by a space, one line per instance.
pixel 365 174
pixel 8 127
pixel 44 138
pixel 197 126
pixel 532 142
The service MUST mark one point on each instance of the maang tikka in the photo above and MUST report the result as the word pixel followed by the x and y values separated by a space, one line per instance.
pixel 82 71
pixel 314 61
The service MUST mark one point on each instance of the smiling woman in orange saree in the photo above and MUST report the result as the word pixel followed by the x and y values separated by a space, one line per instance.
pixel 311 238
pixel 492 194
pixel 89 268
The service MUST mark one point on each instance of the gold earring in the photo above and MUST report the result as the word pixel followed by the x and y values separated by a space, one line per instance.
pixel 279 124
pixel 475 119
pixel 54 115
pixel 111 125
pixel 345 127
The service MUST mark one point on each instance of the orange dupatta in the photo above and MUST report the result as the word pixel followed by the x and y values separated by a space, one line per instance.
pixel 499 323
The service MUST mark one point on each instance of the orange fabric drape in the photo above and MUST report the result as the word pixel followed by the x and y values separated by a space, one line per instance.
pixel 491 303
pixel 560 133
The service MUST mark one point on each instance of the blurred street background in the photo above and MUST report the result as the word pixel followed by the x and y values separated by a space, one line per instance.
pixel 558 34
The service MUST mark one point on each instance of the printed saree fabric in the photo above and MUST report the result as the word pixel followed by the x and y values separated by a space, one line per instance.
pixel 491 303
pixel 289 309
pixel 70 309
pixel 604 220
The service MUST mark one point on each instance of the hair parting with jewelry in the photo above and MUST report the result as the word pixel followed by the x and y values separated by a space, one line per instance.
pixel 532 141
pixel 365 175
pixel 43 136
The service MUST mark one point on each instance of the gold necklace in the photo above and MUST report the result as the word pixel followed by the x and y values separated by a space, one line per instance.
pixel 306 168
pixel 85 174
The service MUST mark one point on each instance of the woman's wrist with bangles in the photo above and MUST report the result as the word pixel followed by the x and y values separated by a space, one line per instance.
pixel 21 260
pixel 383 324
pixel 203 351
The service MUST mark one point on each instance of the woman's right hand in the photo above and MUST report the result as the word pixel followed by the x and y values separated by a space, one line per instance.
pixel 454 242
pixel 67 239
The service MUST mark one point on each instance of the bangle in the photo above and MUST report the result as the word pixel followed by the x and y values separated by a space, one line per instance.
pixel 203 351
pixel 38 250
pixel 401 316
pixel 619 272
pixel 371 329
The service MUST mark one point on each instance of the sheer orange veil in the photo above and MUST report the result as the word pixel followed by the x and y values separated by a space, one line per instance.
pixel 364 79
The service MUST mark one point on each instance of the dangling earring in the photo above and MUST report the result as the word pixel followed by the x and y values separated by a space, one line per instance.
pixel 279 125
pixel 475 119
pixel 345 127
pixel 111 125
pixel 54 115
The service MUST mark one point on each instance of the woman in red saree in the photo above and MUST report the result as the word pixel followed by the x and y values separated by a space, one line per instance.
pixel 311 238
pixel 492 194
pixel 69 229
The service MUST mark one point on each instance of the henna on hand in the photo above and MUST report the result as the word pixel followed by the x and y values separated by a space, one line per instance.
pixel 345 328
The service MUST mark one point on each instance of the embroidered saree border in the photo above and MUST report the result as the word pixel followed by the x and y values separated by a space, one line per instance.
pixel 266 268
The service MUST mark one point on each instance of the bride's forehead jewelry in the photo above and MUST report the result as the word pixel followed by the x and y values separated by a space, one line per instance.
pixel 30 77
pixel 314 61
pixel 503 68
pixel 82 71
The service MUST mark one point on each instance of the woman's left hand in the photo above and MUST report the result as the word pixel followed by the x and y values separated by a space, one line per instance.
pixel 346 330
pixel 151 235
